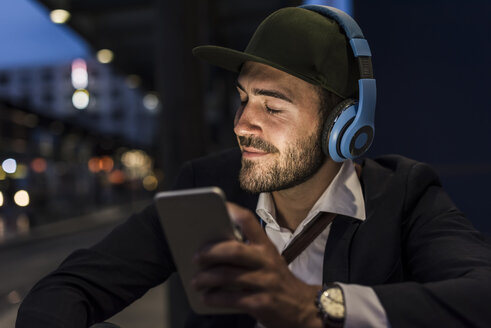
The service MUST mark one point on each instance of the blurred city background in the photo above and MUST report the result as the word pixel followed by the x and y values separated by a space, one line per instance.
pixel 101 102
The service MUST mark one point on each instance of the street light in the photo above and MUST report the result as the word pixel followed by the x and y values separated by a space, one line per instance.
pixel 59 16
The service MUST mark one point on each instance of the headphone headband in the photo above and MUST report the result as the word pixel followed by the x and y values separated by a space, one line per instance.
pixel 352 135
pixel 352 30
pixel 349 25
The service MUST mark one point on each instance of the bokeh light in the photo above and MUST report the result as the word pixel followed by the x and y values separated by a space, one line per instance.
pixel 1 198
pixel 150 182
pixel 9 165
pixel 14 297
pixel 93 165
pixel 38 165
pixel 106 163
pixel 81 99
pixel 135 158
pixel 59 16
pixel 151 101
pixel 21 198
pixel 117 177
pixel 80 77
pixel 137 163
pixel 105 56
pixel 97 164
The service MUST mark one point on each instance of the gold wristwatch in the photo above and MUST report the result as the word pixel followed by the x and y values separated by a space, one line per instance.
pixel 330 303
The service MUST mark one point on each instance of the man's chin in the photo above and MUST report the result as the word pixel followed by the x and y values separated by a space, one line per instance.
pixel 253 166
pixel 251 176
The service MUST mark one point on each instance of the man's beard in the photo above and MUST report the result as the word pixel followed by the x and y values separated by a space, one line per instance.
pixel 297 164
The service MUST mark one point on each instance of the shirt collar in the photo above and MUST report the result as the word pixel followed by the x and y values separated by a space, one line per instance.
pixel 343 196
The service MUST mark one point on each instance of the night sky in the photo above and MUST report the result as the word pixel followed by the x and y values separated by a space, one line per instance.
pixel 29 38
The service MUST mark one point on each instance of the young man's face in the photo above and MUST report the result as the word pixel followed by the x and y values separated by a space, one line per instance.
pixel 278 129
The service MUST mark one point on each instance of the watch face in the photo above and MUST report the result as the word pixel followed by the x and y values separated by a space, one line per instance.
pixel 335 294
pixel 332 303
pixel 336 311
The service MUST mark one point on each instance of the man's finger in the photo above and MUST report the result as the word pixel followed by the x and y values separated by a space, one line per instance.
pixel 229 278
pixel 232 299
pixel 229 252
pixel 248 223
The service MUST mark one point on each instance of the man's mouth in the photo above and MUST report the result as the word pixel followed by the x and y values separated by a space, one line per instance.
pixel 250 152
pixel 255 147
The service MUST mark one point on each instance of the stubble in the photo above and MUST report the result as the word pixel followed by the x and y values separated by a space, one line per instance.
pixel 298 163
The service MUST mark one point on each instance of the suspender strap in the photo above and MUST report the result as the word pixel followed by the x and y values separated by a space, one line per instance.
pixel 313 229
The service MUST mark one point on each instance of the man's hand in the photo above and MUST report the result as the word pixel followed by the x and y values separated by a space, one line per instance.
pixel 254 278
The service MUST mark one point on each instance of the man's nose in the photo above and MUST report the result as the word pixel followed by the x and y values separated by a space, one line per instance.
pixel 247 121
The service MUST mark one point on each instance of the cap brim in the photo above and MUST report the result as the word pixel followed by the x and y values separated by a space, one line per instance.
pixel 226 58
pixel 233 60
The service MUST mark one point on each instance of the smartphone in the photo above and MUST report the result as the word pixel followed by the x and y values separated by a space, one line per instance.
pixel 191 219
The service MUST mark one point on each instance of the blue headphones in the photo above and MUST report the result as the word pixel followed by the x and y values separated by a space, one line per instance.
pixel 349 128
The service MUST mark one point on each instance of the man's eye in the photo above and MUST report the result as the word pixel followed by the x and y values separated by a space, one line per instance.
pixel 272 111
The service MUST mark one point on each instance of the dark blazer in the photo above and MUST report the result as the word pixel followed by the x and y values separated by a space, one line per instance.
pixel 426 263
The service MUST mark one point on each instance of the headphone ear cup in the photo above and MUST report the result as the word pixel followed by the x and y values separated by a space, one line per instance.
pixel 334 127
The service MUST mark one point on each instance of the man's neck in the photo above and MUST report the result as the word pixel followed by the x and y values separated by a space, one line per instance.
pixel 293 204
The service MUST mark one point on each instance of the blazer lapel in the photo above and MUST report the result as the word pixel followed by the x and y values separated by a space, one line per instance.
pixel 337 253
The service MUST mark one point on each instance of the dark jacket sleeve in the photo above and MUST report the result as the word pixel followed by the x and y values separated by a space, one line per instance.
pixel 447 262
pixel 93 284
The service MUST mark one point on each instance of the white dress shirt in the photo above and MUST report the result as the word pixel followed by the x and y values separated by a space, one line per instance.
pixel 342 196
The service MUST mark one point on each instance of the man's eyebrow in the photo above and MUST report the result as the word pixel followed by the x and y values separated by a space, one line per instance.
pixel 266 92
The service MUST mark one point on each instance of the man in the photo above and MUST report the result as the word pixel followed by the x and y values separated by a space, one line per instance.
pixel 398 253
